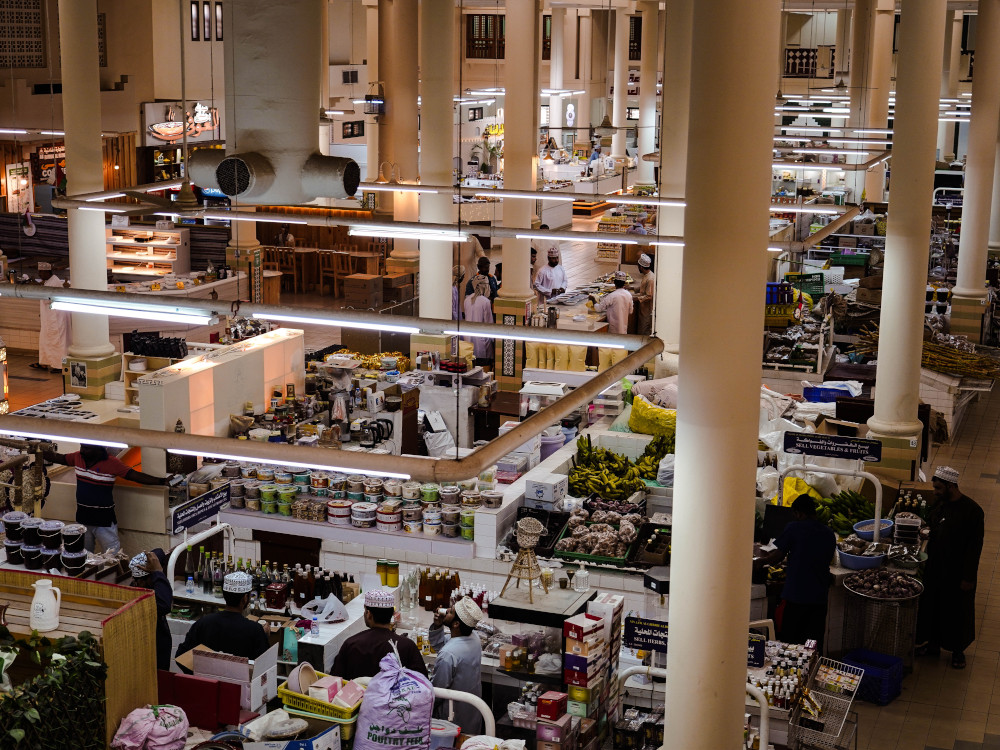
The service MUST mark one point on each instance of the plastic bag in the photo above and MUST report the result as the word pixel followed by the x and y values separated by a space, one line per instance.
pixel 531 354
pixel 152 728
pixel 794 486
pixel 395 713
pixel 648 419
pixel 578 359
pixel 603 358
pixel 438 443
pixel 665 471
pixel 562 356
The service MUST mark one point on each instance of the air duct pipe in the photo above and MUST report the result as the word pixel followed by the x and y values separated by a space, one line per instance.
pixel 273 155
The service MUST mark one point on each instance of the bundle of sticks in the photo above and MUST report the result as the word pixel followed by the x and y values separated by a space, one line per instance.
pixel 938 357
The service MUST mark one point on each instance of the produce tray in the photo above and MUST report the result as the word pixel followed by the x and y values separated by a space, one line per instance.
pixel 320 708
pixel 600 559
pixel 639 507
pixel 555 524
pixel 887 598
pixel 640 555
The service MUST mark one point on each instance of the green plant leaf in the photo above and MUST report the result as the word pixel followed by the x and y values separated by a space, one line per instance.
pixel 32 715
pixel 17 734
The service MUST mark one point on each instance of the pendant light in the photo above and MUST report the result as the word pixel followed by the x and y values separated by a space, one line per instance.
pixel 605 129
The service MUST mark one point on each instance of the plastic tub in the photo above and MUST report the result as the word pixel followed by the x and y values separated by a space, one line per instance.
pixel 73 537
pixel 432 528
pixel 268 492
pixel 413 527
pixel 73 562
pixel 411 490
pixel 451 530
pixel 468 532
pixel 285 509
pixel 860 562
pixel 468 517
pixel 269 506
pixel 30 529
pixel 869 534
pixel 429 493
pixel 50 557
pixel 12 524
pixel 552 443
pixel 414 515
pixel 287 494
pixel 50 533
pixel 32 556
pixel 13 550
pixel 443 733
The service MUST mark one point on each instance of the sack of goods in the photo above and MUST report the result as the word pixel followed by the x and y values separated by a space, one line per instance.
pixel 396 710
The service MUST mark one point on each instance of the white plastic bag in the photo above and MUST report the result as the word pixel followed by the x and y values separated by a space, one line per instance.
pixel 665 471
pixel 438 443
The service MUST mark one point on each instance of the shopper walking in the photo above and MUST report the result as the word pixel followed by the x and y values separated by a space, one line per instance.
pixel 457 274
pixel 459 660
pixel 95 482
pixel 147 573
pixel 230 631
pixel 617 305
pixel 645 296
pixel 479 310
pixel 946 617
pixel 551 281
pixel 809 545
pixel 360 655
pixel 483 267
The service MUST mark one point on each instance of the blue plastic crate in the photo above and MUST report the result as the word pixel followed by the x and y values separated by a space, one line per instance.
pixel 883 678
pixel 819 394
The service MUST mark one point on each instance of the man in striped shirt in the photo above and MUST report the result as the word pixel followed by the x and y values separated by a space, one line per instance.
pixel 95 481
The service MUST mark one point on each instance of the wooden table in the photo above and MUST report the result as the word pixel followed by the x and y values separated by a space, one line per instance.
pixel 307 260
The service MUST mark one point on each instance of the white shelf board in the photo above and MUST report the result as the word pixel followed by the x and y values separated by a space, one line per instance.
pixel 136 271
pixel 394 540
pixel 144 258
pixel 133 243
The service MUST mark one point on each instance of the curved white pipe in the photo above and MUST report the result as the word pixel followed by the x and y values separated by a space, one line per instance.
pixel 201 536
pixel 841 472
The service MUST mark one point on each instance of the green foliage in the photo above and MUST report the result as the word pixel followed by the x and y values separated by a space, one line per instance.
pixel 63 706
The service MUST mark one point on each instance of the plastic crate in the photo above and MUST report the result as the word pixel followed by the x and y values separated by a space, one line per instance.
pixel 883 678
pixel 819 394
pixel 313 706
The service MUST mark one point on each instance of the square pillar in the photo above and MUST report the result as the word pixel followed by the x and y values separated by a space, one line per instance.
pixel 511 311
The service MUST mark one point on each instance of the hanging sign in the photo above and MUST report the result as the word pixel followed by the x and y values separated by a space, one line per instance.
pixel 644 633
pixel 165 123
pixel 833 446
pixel 200 508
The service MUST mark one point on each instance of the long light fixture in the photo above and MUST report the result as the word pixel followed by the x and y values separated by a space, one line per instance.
pixel 573 238
pixel 332 322
pixel 830 151
pixel 58 438
pixel 859 141
pixel 809 129
pixel 13 131
pixel 102 209
pixel 793 208
pixel 643 201
pixel 549 195
pixel 873 131
pixel 98 307
pixel 294 464
pixel 666 243
pixel 105 197
pixel 809 165
pixel 394 187
pixel 408 234
pixel 533 339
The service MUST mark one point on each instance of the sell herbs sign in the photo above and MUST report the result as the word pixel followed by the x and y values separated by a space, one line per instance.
pixel 644 633
pixel 833 446
pixel 200 508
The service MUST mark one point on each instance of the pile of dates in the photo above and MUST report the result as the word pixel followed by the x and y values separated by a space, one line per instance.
pixel 883 584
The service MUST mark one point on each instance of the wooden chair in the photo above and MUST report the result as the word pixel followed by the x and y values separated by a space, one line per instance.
pixel 342 268
pixel 283 259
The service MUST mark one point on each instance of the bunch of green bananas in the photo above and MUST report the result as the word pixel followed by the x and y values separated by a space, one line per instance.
pixel 649 461
pixel 843 510
pixel 598 470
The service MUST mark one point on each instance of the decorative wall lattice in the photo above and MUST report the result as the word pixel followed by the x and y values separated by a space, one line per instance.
pixel 22 41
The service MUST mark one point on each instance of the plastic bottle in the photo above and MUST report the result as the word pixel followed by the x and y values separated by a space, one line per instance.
pixel 314 626
pixel 189 588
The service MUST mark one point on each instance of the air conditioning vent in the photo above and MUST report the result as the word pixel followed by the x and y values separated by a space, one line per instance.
pixel 233 176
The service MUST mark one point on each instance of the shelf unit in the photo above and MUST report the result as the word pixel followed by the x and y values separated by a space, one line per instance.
pixel 130 376
pixel 133 251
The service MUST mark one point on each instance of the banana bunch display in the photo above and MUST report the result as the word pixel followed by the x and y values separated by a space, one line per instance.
pixel 649 462
pixel 600 471
pixel 842 511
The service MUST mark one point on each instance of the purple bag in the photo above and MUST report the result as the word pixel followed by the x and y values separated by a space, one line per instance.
pixel 152 728
pixel 396 711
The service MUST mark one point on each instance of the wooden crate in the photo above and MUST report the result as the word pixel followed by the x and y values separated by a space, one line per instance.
pixel 122 618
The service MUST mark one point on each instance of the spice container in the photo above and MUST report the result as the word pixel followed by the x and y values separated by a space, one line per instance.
pixel 338 482
pixel 287 494
pixel 252 490
pixel 320 490
pixel 302 477
pixel 248 471
pixel 231 470
pixel 492 498
pixel 471 498
pixel 392 488
pixel 319 479
pixel 450 495
pixel 450 514
pixel 468 517
pixel 265 473
pixel 413 527
pixel 373 498
pixel 413 514
pixel 253 503
pixel 285 508
pixel 432 528
pixel 269 506
pixel 450 529
pixel 363 515
pixel 468 532
pixel 373 486
pixel 338 512
pixel 356 483
pixel 429 493
pixel 282 477
pixel 73 537
pixel 411 490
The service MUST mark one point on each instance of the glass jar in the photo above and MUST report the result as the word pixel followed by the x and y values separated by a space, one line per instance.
pixel 381 567
pixel 581 581
pixel 392 574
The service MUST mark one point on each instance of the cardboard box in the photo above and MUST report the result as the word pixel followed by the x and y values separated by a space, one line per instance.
pixel 398 294
pixel 363 281
pixel 581 626
pixel 594 644
pixel 869 296
pixel 871 282
pixel 844 242
pixel 579 679
pixel 258 680
pixel 326 688
pixel 277 625
pixel 549 487
pixel 328 740
pixel 866 228
pixel 828 426
pixel 588 664
pixel 543 745
pixel 581 709
pixel 552 705
pixel 588 730
pixel 396 280
pixel 584 693
pixel 411 398
pixel 557 730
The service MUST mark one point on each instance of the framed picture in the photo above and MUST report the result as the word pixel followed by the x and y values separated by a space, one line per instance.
pixel 632 113
pixel 475 113
pixel 78 374
pixel 354 129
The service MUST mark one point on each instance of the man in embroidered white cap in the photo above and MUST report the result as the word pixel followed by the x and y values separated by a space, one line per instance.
pixel 645 295
pixel 617 305
pixel 147 573
pixel 551 280
pixel 230 631
pixel 360 655
pixel 946 618
pixel 459 660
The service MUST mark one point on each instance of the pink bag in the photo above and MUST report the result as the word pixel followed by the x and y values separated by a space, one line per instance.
pixel 396 711
pixel 152 728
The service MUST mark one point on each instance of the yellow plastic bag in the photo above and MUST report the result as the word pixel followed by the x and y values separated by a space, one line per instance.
pixel 531 354
pixel 578 358
pixel 651 420
pixel 794 486
pixel 603 358
pixel 562 356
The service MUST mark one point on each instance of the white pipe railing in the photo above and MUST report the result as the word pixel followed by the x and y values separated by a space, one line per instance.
pixel 201 536
pixel 840 472
pixel 489 723
pixel 765 714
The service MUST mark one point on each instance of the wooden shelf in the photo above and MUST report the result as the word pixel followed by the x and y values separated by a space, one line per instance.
pixel 177 260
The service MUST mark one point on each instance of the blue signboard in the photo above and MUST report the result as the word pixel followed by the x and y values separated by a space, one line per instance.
pixel 200 508
pixel 646 634
pixel 833 446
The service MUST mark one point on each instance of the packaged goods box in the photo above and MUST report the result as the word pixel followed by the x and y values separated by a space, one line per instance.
pixel 550 488
pixel 258 679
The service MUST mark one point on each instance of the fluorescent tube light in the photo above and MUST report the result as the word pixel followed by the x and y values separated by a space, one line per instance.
pixel 51 132
pixel 332 322
pixel 582 237
pixel 395 187
pixel 859 141
pixel 809 165
pixel 99 307
pixel 844 152
pixel 294 464
pixel 105 197
pixel 408 234
pixel 642 201
pixel 330 112
pixel 57 438
pixel 13 131
pixel 548 195
pixel 792 208
pixel 534 339
pixel 775 249
pixel 809 129
pixel 102 209
pixel 874 131
pixel 792 138
pixel 667 244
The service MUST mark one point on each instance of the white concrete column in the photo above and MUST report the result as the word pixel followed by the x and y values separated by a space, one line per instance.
pixel 921 46
pixel 84 167
pixel 437 70
pixel 716 434
pixel 586 56
pixel 843 42
pixel 324 81
pixel 647 89
pixel 520 140
pixel 372 57
pixel 981 160
pixel 994 243
pixel 673 168
pixel 619 115
pixel 401 113
pixel 556 76
pixel 949 81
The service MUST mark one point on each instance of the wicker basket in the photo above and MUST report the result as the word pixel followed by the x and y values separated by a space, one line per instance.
pixel 528 532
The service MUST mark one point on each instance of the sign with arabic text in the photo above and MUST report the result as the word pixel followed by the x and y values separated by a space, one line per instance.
pixel 755 650
pixel 165 123
pixel 641 632
pixel 199 509
pixel 833 446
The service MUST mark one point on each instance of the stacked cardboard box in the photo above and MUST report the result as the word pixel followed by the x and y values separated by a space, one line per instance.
pixel 585 671
pixel 610 401
pixel 611 609
pixel 363 290
pixel 397 287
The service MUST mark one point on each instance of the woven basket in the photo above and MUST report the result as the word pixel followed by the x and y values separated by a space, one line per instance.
pixel 528 531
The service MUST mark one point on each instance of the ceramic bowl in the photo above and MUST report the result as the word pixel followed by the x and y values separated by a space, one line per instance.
pixel 301 678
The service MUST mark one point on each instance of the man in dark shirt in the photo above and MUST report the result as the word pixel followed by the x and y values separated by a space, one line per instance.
pixel 229 631
pixel 147 573
pixel 483 266
pixel 809 545
pixel 946 617
pixel 95 484
pixel 361 653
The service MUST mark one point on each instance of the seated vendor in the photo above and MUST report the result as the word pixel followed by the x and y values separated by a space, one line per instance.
pixel 360 655
pixel 230 631
pixel 147 573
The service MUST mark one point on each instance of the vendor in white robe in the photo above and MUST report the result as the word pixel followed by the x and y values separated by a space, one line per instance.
pixel 54 334
pixel 645 295
pixel 459 660
pixel 479 310
pixel 550 280
pixel 617 305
